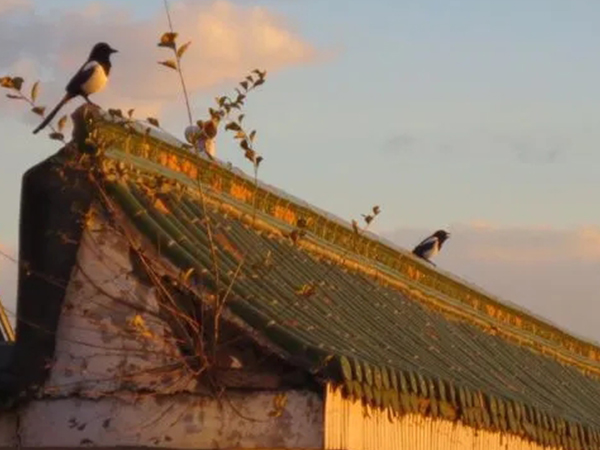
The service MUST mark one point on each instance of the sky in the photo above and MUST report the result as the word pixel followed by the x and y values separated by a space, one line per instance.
pixel 475 116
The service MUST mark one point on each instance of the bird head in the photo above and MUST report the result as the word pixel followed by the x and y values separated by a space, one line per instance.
pixel 101 51
pixel 441 235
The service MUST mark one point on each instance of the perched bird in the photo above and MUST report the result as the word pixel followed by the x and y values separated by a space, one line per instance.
pixel 431 246
pixel 91 78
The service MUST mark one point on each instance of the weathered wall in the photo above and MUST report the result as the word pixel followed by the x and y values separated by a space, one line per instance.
pixel 350 425
pixel 112 381
pixel 177 421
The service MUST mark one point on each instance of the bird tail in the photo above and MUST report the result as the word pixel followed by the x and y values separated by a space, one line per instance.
pixel 53 113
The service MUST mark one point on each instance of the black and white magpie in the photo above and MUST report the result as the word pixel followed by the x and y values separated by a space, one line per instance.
pixel 431 246
pixel 91 78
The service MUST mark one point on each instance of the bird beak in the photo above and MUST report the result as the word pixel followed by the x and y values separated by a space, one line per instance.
pixel 112 50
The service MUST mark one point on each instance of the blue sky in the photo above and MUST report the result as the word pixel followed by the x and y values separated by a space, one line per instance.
pixel 443 112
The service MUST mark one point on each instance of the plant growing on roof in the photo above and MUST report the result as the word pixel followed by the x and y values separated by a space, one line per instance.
pixel 202 134
pixel 16 86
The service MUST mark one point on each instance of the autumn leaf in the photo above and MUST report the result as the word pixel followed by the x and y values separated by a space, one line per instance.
pixel 210 129
pixel 130 113
pixel 39 110
pixel 6 82
pixel 252 134
pixel 187 274
pixel 115 113
pixel 376 210
pixel 168 40
pixel 368 218
pixel 160 206
pixel 15 97
pixel 17 82
pixel 294 236
pixel 259 82
pixel 233 126
pixel 61 123
pixel 35 89
pixel 240 135
pixel 306 290
pixel 182 49
pixel 250 155
pixel 214 114
pixel 258 161
pixel 153 121
pixel 240 118
pixel 169 63
pixel 57 136
pixel 244 84
pixel 244 144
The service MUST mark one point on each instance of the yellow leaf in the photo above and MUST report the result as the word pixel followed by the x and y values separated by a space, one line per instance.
pixel 306 290
pixel 158 204
pixel 182 49
pixel 187 274
pixel 169 63
pixel 6 82
pixel 35 89
pixel 61 123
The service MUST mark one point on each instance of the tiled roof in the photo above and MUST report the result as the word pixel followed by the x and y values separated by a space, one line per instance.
pixel 358 312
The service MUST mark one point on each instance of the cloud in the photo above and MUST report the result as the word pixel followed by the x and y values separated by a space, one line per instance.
pixel 228 41
pixel 535 148
pixel 551 272
pixel 399 143
pixel 12 6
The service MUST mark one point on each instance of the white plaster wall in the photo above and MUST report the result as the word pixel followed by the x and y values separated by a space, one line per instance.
pixel 178 421
pixel 98 347
pixel 110 384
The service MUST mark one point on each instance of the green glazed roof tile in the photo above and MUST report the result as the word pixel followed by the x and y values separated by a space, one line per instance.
pixel 383 339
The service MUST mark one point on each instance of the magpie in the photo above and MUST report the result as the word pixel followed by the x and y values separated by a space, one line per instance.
pixel 431 246
pixel 91 78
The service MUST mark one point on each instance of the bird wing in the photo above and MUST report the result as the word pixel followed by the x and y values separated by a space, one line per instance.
pixel 88 72
pixel 425 245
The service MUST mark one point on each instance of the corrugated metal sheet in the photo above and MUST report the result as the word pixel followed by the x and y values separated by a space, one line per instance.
pixel 350 425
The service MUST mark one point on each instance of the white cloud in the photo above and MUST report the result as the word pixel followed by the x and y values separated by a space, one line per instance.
pixel 228 41
pixel 551 272
pixel 11 6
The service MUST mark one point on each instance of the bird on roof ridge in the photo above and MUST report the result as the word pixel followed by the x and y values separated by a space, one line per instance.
pixel 431 246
